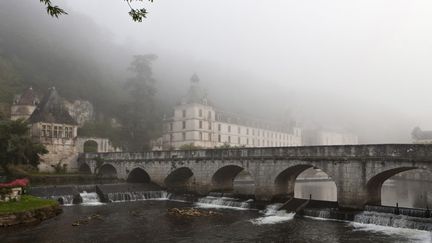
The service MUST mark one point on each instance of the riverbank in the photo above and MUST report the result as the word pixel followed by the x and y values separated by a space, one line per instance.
pixel 28 210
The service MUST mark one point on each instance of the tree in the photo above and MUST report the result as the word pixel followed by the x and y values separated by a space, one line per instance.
pixel 139 117
pixel 16 145
pixel 137 14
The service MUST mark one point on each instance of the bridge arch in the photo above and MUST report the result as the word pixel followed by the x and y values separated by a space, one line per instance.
pixel 223 178
pixel 90 146
pixel 285 183
pixel 138 175
pixel 375 183
pixel 84 169
pixel 107 170
pixel 179 179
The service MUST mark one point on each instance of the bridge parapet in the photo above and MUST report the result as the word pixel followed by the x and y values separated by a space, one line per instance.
pixel 411 152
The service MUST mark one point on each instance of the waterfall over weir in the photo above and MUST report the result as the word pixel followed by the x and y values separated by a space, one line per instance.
pixel 223 202
pixel 90 198
pixel 398 221
pixel 66 200
pixel 138 196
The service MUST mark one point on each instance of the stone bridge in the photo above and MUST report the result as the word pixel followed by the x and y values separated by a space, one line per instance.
pixel 357 170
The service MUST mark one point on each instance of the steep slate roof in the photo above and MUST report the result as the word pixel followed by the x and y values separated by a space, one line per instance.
pixel 52 110
pixel 27 98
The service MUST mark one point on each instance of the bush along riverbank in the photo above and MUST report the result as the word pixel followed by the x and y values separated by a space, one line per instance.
pixel 28 210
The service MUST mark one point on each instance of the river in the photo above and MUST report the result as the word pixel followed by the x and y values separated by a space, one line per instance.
pixel 149 221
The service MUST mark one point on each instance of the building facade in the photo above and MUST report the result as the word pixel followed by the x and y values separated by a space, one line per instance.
pixel 24 105
pixel 195 122
pixel 328 137
pixel 420 136
pixel 52 125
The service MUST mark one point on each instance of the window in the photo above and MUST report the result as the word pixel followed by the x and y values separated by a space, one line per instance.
pixel 238 140
pixel 229 128
pixel 171 137
pixel 219 138
pixel 60 132
pixel 49 131
pixel 219 127
pixel 259 133
pixel 200 124
pixel 183 136
pixel 209 136
pixel 247 141
pixel 238 130
pixel 253 132
pixel 184 113
pixel 184 124
pixel 70 132
pixel 171 127
pixel 200 113
pixel 229 139
pixel 200 136
pixel 209 115
pixel 66 132
pixel 247 131
pixel 209 125
pixel 55 131
pixel 44 130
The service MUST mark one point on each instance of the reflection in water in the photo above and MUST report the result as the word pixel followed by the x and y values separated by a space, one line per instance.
pixel 316 184
pixel 408 193
pixel 148 221
pixel 319 190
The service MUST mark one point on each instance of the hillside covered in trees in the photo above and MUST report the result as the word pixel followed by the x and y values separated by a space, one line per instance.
pixel 82 62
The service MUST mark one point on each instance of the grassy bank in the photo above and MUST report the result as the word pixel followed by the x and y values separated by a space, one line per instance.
pixel 26 203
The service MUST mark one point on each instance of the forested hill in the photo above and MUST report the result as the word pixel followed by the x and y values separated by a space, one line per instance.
pixel 70 53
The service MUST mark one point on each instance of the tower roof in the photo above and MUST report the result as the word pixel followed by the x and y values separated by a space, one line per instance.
pixel 52 110
pixel 27 98
pixel 195 94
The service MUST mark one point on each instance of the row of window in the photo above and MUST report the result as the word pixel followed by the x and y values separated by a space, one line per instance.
pixel 57 131
pixel 200 114
pixel 255 142
pixel 272 135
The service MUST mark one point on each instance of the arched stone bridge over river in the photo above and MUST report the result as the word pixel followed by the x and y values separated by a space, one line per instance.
pixel 357 170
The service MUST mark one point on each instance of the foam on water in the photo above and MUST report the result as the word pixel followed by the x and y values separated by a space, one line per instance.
pixel 223 202
pixel 90 199
pixel 413 235
pixel 67 200
pixel 272 215
pixel 139 196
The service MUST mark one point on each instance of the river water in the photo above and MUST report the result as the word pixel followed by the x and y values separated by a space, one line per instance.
pixel 149 221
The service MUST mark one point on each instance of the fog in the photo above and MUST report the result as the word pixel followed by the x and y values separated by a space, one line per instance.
pixel 363 66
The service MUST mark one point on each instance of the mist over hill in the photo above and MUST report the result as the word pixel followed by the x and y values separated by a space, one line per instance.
pixel 83 60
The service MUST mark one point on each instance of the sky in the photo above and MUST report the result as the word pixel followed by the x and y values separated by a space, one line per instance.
pixel 370 55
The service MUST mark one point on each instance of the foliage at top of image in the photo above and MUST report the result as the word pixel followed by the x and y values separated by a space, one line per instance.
pixel 137 14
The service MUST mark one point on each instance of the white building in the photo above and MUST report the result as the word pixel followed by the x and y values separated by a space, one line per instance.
pixel 328 137
pixel 196 123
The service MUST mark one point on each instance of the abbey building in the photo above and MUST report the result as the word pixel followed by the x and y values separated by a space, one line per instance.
pixel 195 122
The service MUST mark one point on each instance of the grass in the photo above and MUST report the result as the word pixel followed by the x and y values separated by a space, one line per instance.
pixel 26 203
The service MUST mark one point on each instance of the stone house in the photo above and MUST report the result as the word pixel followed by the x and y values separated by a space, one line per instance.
pixel 52 124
